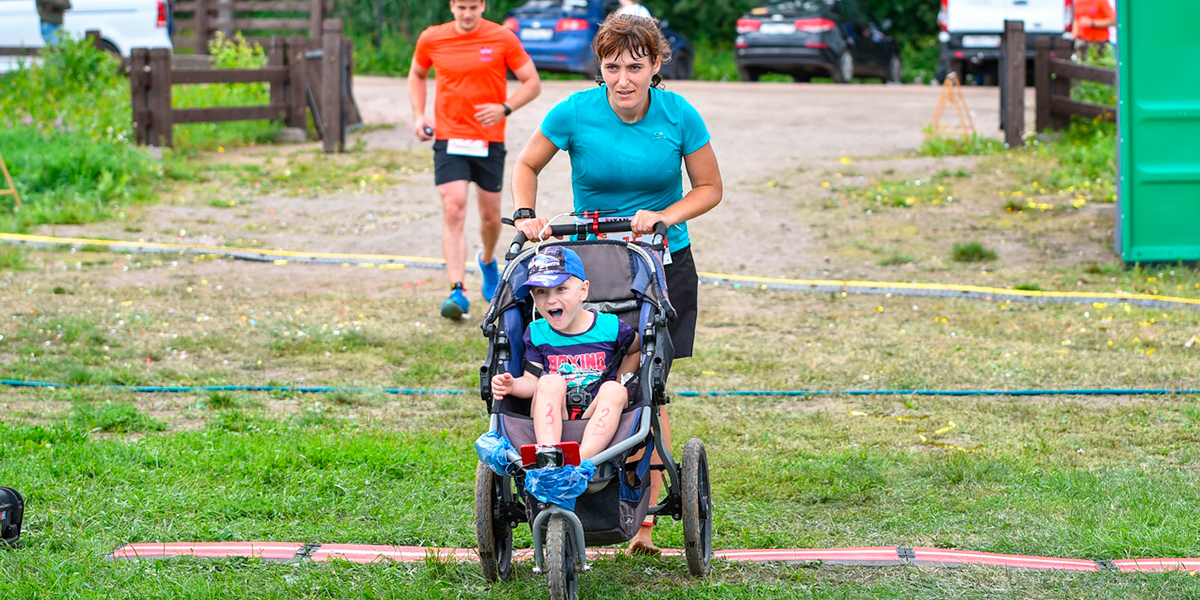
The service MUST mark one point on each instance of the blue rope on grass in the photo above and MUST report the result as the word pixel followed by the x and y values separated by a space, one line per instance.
pixel 183 389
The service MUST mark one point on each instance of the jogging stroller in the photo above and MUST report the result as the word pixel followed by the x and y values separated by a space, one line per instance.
pixel 627 279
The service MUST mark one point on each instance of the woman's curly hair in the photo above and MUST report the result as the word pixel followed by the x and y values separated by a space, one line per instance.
pixel 639 36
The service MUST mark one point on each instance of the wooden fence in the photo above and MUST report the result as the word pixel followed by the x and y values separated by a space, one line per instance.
pixel 262 19
pixel 1053 73
pixel 301 73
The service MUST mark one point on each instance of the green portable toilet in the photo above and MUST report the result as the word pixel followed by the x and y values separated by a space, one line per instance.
pixel 1158 130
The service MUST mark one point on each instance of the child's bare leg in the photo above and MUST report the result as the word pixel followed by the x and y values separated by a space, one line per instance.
pixel 604 415
pixel 549 406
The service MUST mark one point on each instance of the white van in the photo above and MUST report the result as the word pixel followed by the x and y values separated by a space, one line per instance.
pixel 971 32
pixel 123 24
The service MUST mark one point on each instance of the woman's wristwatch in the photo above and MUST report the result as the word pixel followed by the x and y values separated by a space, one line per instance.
pixel 524 213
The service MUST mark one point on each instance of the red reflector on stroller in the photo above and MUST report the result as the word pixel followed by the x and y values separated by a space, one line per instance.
pixel 536 456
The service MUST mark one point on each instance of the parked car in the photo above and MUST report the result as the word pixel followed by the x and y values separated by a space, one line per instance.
pixel 807 38
pixel 971 31
pixel 558 35
pixel 123 24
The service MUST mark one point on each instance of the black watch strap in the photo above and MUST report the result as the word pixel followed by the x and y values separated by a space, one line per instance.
pixel 524 213
pixel 507 109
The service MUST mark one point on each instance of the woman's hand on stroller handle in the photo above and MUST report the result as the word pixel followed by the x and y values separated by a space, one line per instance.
pixel 652 222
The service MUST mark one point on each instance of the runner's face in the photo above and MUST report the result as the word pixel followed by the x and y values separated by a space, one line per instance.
pixel 628 80
pixel 467 14
pixel 563 304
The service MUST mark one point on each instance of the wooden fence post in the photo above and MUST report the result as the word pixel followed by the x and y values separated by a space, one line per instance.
pixel 276 58
pixel 1062 84
pixel 202 27
pixel 139 74
pixel 331 93
pixel 296 84
pixel 1013 90
pixel 1041 82
pixel 93 36
pixel 159 98
pixel 316 18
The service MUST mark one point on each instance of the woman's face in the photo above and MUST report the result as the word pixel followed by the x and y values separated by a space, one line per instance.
pixel 628 80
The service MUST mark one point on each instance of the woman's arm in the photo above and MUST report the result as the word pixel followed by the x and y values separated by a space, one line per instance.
pixel 706 193
pixel 533 158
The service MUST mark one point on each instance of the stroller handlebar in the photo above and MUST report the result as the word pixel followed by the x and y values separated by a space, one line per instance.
pixel 584 228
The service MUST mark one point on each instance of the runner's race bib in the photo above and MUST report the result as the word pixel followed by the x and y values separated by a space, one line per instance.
pixel 478 148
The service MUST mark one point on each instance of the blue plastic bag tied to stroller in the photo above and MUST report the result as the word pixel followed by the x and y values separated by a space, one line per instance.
pixel 493 450
pixel 559 485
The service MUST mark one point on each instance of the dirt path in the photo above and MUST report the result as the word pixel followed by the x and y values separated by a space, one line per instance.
pixel 761 133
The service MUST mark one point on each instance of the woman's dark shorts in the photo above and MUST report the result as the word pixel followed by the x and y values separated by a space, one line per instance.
pixel 683 288
pixel 487 173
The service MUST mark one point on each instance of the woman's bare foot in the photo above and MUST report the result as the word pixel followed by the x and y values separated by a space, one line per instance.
pixel 642 544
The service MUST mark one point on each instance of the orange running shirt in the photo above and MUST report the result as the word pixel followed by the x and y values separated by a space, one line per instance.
pixel 1100 10
pixel 469 69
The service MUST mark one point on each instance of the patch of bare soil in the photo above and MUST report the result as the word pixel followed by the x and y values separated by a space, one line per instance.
pixel 795 133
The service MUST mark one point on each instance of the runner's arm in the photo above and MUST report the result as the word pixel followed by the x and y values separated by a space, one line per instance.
pixel 531 86
pixel 418 89
pixel 533 158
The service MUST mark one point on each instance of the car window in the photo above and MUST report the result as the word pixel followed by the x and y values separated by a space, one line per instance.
pixel 575 5
pixel 849 10
pixel 801 6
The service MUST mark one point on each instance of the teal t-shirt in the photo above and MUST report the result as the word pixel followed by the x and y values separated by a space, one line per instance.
pixel 627 166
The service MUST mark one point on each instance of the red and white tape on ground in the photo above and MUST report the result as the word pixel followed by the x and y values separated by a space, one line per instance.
pixel 878 557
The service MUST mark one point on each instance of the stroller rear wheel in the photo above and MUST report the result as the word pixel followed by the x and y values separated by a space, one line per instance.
pixel 560 560
pixel 697 508
pixel 492 532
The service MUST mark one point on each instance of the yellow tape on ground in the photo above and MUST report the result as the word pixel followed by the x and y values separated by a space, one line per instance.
pixel 949 290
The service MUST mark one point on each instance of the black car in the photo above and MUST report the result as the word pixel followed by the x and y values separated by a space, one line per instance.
pixel 807 38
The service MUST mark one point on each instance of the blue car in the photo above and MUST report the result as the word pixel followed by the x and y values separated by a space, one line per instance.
pixel 558 34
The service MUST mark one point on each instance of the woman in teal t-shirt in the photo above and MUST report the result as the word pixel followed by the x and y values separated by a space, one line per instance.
pixel 628 141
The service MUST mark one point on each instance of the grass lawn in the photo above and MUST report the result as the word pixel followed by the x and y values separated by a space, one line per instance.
pixel 1096 477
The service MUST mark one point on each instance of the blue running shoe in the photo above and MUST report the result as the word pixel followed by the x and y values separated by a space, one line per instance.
pixel 457 304
pixel 491 276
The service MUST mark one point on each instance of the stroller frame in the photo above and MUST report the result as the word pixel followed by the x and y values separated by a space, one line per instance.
pixel 499 510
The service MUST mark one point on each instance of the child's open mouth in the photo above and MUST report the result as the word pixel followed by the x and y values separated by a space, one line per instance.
pixel 555 313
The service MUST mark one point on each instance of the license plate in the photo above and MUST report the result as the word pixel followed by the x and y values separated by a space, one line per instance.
pixel 537 35
pixel 981 41
pixel 777 28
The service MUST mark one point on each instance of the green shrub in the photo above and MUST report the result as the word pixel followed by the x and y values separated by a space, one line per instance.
pixel 972 252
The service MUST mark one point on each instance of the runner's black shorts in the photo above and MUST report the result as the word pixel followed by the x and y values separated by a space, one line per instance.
pixel 487 173
pixel 683 286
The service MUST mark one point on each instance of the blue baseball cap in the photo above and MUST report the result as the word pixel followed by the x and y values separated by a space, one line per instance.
pixel 551 266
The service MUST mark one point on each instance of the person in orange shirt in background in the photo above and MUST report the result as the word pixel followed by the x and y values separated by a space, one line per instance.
pixel 1092 20
pixel 470 57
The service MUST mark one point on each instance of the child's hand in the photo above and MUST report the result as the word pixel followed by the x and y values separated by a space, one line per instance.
pixel 502 385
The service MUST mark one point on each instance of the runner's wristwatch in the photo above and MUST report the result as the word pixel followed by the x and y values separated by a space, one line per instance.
pixel 507 109
pixel 524 213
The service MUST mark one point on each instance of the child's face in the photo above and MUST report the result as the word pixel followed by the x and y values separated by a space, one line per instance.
pixel 563 304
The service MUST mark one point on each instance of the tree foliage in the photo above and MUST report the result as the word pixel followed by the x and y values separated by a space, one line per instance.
pixel 711 20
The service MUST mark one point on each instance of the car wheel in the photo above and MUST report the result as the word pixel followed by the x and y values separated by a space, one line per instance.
pixel 844 73
pixel 748 74
pixel 895 70
pixel 681 66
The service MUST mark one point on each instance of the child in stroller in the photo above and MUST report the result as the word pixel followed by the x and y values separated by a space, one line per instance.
pixel 625 280
pixel 576 359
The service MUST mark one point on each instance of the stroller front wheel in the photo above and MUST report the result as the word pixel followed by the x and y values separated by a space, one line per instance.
pixel 560 560
pixel 696 508
pixel 492 532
